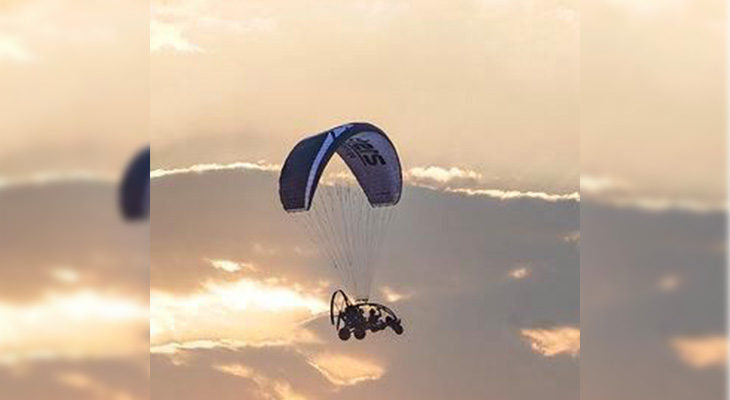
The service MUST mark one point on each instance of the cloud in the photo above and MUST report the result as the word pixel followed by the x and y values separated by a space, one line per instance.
pixel 649 9
pixel 74 290
pixel 594 184
pixel 173 24
pixel 702 352
pixel 14 50
pixel 519 273
pixel 246 311
pixel 231 266
pixel 344 370
pixel 393 296
pixel 296 337
pixel 469 182
pixel 669 283
pixel 269 388
pixel 49 328
pixel 620 193
pixel 516 194
pixel 47 178
pixel 573 238
pixel 455 275
pixel 203 168
pixel 167 36
pixel 438 176
pixel 96 388
pixel 554 341
pixel 639 335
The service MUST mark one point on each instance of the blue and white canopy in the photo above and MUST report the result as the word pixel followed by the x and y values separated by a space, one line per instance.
pixel 366 150
pixel 134 193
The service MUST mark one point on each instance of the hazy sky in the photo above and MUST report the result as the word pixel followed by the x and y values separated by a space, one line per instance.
pixel 74 286
pixel 75 78
pixel 500 109
pixel 476 95
pixel 653 96
pixel 480 85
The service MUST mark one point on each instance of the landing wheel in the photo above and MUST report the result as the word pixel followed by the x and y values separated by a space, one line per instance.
pixel 344 334
pixel 338 304
pixel 360 334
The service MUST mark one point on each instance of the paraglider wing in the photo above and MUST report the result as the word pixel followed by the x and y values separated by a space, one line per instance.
pixel 366 150
pixel 134 193
pixel 348 221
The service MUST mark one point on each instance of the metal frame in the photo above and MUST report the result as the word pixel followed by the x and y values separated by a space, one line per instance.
pixel 336 311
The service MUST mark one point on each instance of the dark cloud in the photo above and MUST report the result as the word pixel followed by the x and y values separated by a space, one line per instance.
pixel 73 225
pixel 629 319
pixel 452 252
pixel 75 380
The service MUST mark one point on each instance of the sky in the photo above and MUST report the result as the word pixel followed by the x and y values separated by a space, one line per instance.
pixel 481 100
pixel 485 86
pixel 516 121
pixel 481 307
pixel 653 98
pixel 74 278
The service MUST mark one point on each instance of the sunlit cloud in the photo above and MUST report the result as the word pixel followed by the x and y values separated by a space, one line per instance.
pixel 297 337
pixel 658 204
pixel 435 178
pixel 14 50
pixel 703 351
pixel 173 24
pixel 50 327
pixel 344 370
pixel 231 266
pixel 65 275
pixel 516 194
pixel 202 168
pixel 442 176
pixel 246 311
pixel 573 238
pixel 554 341
pixel 167 36
pixel 48 178
pixel 620 193
pixel 393 296
pixel 85 383
pixel 261 248
pixel 594 184
pixel 269 388
pixel 669 283
pixel 647 9
pixel 519 273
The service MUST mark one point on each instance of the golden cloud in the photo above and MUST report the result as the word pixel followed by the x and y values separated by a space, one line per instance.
pixel 231 266
pixel 702 352
pixel 442 175
pixel 344 370
pixel 269 388
pixel 555 341
pixel 516 194
pixel 202 168
pixel 78 325
pixel 669 283
pixel 244 312
pixel 394 296
pixel 518 273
